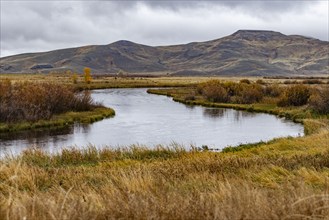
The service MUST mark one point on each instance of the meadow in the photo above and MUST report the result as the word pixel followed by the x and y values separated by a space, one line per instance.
pixel 285 178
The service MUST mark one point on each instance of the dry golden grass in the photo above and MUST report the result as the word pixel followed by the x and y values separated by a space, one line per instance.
pixel 103 81
pixel 285 179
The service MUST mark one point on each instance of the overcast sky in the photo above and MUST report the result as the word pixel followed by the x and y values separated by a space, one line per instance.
pixel 33 26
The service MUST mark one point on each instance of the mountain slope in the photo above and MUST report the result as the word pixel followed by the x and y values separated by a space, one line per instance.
pixel 245 52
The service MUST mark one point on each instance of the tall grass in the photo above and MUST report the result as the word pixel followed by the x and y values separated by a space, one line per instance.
pixel 284 179
pixel 319 101
pixel 34 101
pixel 246 92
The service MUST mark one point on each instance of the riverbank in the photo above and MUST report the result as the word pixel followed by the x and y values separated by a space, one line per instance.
pixel 26 105
pixel 285 179
pixel 60 121
pixel 312 122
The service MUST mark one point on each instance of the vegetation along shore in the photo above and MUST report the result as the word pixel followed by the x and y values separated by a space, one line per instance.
pixel 285 178
pixel 28 105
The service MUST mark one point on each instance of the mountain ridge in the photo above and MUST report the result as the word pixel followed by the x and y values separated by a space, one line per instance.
pixel 243 53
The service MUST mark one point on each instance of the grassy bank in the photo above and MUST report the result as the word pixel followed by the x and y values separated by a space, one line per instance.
pixel 61 120
pixel 179 95
pixel 285 179
pixel 29 105
pixel 302 114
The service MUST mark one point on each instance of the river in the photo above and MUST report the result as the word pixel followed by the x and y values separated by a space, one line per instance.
pixel 150 120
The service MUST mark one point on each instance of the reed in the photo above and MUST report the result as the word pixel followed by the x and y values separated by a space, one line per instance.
pixel 283 179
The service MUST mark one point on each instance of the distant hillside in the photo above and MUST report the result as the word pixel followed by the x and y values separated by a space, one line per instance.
pixel 244 53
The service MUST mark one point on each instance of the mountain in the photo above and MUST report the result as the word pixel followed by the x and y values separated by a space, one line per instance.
pixel 244 53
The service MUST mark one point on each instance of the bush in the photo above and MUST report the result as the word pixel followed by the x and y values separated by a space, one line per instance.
pixel 312 81
pixel 189 98
pixel 250 94
pixel 295 96
pixel 260 81
pixel 273 90
pixel 232 88
pixel 319 101
pixel 246 81
pixel 291 82
pixel 35 101
pixel 214 91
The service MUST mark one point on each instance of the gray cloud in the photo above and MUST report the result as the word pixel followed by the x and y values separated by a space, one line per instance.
pixel 30 26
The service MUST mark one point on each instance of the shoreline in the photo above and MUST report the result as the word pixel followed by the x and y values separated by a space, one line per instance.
pixel 59 121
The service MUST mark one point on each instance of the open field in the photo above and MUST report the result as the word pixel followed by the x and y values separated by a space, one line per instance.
pixel 286 178
pixel 107 81
pixel 100 82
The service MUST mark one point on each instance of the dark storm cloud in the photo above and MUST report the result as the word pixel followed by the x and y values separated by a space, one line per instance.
pixel 29 26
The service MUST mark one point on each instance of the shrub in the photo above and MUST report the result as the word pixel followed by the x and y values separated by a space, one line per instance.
pixel 35 101
pixel 312 81
pixel 273 90
pixel 250 94
pixel 75 78
pixel 319 101
pixel 200 87
pixel 246 81
pixel 232 88
pixel 260 81
pixel 290 82
pixel 214 91
pixel 189 97
pixel 295 96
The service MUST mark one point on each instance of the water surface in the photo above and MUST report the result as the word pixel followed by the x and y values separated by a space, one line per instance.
pixel 150 120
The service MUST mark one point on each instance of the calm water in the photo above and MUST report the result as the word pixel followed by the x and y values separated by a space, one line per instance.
pixel 150 120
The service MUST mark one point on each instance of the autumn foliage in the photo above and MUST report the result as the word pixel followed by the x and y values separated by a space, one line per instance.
pixel 242 93
pixel 296 95
pixel 87 75
pixel 319 101
pixel 246 92
pixel 33 101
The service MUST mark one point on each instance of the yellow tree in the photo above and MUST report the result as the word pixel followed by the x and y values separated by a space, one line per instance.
pixel 87 75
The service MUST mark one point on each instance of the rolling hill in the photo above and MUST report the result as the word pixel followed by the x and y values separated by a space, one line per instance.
pixel 244 53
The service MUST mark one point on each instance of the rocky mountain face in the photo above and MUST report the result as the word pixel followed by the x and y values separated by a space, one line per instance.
pixel 244 53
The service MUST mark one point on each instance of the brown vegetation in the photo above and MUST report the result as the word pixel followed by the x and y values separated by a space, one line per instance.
pixel 295 95
pixel 34 101
pixel 87 75
pixel 319 101
pixel 246 92
pixel 214 91
pixel 284 179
